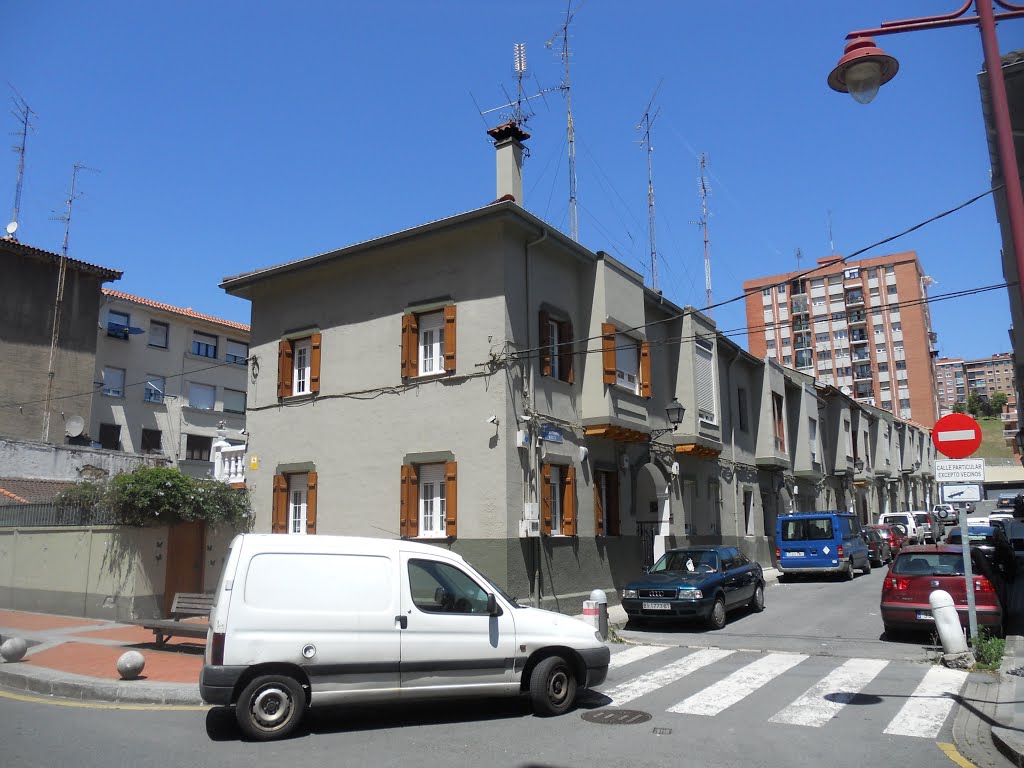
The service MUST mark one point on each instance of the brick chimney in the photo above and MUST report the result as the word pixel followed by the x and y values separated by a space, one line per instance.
pixel 508 145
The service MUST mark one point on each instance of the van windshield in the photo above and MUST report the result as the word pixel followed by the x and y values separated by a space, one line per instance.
pixel 807 529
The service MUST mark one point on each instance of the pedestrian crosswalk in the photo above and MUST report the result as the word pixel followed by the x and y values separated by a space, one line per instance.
pixel 912 699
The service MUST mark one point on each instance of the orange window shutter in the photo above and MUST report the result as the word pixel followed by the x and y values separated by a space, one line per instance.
pixel 451 497
pixel 413 502
pixel 545 343
pixel 403 503
pixel 449 338
pixel 314 363
pixel 598 509
pixel 284 368
pixel 569 502
pixel 279 515
pixel 645 369
pixel 566 358
pixel 608 352
pixel 613 504
pixel 407 346
pixel 311 503
pixel 545 499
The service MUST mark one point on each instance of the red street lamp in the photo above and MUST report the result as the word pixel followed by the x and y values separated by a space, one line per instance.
pixel 865 67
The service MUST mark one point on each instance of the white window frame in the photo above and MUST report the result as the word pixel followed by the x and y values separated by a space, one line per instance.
pixel 154 324
pixel 302 356
pixel 430 344
pixel 195 387
pixel 556 500
pixel 155 388
pixel 433 506
pixel 707 409
pixel 627 363
pixel 231 350
pixel 239 392
pixel 205 340
pixel 298 503
pixel 113 381
pixel 115 328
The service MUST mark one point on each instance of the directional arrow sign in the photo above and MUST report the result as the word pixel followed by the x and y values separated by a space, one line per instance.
pixel 956 435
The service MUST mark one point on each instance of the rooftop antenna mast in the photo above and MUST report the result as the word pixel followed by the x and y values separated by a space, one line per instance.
pixel 705 190
pixel 799 255
pixel 831 242
pixel 24 115
pixel 521 111
pixel 59 299
pixel 563 32
pixel 645 127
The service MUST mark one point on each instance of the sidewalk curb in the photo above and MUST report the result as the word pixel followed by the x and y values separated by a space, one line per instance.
pixel 50 682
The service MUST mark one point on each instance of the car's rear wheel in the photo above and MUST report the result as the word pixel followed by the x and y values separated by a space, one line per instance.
pixel 717 618
pixel 270 707
pixel 867 566
pixel 552 687
pixel 848 573
pixel 757 599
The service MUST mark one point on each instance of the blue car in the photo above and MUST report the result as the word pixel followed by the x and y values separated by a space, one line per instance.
pixel 696 583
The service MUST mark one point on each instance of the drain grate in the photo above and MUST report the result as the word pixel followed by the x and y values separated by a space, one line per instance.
pixel 616 716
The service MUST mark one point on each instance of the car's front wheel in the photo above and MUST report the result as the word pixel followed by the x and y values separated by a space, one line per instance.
pixel 717 618
pixel 552 687
pixel 270 707
pixel 867 566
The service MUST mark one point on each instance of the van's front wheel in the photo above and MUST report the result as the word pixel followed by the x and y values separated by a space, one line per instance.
pixel 270 707
pixel 552 687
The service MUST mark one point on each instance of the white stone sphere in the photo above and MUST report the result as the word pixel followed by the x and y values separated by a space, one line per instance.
pixel 13 649
pixel 130 665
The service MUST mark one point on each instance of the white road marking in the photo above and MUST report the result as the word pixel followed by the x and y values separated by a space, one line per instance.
pixel 740 684
pixel 929 705
pixel 637 687
pixel 824 700
pixel 635 653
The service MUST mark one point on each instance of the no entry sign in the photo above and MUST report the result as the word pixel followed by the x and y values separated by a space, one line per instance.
pixel 956 435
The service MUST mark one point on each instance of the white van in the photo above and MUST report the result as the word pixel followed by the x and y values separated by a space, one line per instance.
pixel 907 520
pixel 310 620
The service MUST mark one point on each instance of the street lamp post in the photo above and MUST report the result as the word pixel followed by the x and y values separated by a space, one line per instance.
pixel 865 67
pixel 674 412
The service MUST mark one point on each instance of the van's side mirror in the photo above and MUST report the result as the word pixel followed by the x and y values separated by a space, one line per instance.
pixel 492 605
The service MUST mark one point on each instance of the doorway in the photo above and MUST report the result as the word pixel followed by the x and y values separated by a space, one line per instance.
pixel 184 573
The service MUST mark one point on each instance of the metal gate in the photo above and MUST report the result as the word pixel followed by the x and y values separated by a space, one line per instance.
pixel 647 532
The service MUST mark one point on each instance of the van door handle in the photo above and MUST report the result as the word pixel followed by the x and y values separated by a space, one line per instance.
pixel 403 621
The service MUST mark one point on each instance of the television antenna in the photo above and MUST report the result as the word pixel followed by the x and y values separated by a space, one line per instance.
pixel 563 32
pixel 24 115
pixel 645 127
pixel 705 190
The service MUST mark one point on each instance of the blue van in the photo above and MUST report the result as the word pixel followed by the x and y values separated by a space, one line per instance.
pixel 821 542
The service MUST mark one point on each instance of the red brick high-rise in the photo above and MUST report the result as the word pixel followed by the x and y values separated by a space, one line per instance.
pixel 862 326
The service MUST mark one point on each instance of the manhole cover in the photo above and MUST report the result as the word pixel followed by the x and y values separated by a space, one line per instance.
pixel 616 716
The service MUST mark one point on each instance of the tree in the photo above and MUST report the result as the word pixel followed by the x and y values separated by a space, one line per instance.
pixel 959 408
pixel 163 496
pixel 974 404
pixel 998 402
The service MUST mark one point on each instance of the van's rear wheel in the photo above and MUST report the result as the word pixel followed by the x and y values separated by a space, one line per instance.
pixel 270 707
pixel 552 687
pixel 848 573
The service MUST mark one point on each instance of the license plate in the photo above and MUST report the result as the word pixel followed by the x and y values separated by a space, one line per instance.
pixel 925 616
pixel 657 607
pixel 795 554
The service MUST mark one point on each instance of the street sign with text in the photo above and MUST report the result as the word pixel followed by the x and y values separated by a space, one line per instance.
pixel 960 471
pixel 956 435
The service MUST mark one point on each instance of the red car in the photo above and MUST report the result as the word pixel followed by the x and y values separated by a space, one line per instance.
pixel 920 570
pixel 891 535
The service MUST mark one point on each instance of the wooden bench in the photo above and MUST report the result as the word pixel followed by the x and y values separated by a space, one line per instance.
pixel 186 605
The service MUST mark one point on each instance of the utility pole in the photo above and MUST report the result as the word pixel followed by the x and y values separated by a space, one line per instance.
pixel 645 127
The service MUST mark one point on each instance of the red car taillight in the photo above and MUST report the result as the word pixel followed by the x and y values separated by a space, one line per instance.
pixel 217 649
pixel 982 584
pixel 900 585
pixel 839 554
pixel 778 554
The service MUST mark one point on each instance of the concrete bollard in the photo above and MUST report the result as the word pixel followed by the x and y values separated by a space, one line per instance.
pixel 601 600
pixel 13 649
pixel 130 665
pixel 947 624
pixel 590 613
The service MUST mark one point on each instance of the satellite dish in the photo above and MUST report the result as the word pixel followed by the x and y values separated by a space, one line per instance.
pixel 12 228
pixel 74 426
pixel 846 390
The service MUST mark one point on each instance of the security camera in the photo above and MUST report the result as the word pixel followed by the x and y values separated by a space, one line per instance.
pixel 492 420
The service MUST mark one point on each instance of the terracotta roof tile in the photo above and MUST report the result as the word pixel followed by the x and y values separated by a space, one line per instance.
pixel 32 491
pixel 5 494
pixel 187 312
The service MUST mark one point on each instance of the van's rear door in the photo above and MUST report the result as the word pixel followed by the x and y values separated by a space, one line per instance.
pixel 807 542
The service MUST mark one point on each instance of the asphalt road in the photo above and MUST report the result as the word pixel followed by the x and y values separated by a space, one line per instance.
pixel 806 683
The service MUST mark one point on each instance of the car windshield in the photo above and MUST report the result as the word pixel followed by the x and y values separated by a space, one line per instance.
pixel 885 534
pixel 929 564
pixel 804 529
pixel 687 560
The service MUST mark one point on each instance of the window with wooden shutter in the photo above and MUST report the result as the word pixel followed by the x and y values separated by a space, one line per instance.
pixel 544 326
pixel 298 366
pixel 449 338
pixel 556 352
pixel 566 358
pixel 314 364
pixel 704 380
pixel 311 503
pixel 279 516
pixel 569 502
pixel 608 352
pixel 409 520
pixel 451 494
pixel 410 346
pixel 284 368
pixel 645 369
pixel 545 499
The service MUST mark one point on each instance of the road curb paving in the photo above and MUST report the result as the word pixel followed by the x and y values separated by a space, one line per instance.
pixel 66 685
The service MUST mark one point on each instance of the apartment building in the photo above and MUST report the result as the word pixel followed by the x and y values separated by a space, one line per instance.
pixel 488 385
pixel 988 375
pixel 951 383
pixel 169 381
pixel 861 326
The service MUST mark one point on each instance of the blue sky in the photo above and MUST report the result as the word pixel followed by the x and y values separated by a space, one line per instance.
pixel 231 136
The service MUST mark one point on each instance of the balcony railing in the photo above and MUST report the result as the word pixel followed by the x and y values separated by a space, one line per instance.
pixel 857 318
pixel 229 464
pixel 854 297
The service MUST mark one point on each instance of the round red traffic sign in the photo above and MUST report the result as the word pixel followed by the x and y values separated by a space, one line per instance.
pixel 956 435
